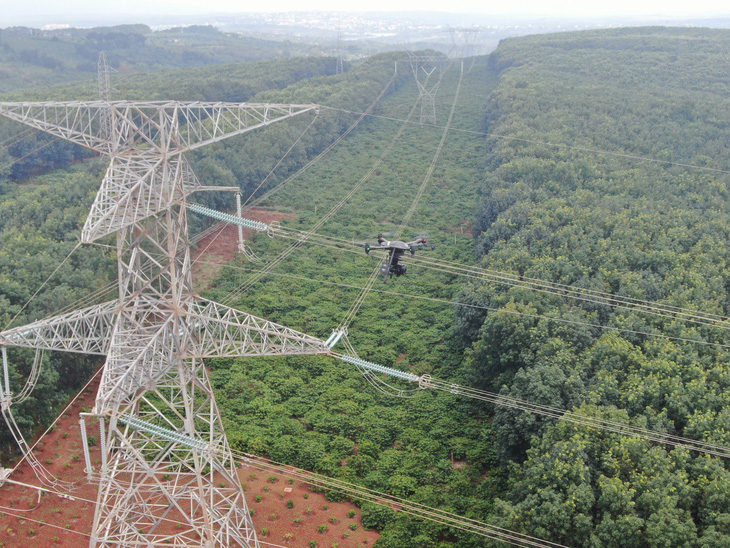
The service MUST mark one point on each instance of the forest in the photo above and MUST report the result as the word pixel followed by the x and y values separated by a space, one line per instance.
pixel 33 57
pixel 585 172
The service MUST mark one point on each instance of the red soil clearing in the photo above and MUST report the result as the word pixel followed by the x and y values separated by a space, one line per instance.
pixel 31 518
pixel 221 246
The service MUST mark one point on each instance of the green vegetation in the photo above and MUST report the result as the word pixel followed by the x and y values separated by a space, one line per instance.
pixel 548 206
pixel 31 57
pixel 646 230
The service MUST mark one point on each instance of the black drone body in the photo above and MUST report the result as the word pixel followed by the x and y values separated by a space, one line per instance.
pixel 395 250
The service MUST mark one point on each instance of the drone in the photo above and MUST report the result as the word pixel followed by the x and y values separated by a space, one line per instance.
pixel 395 249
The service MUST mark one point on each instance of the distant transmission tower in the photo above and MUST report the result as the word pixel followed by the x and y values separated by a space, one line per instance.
pixel 105 93
pixel 340 61
pixel 167 476
pixel 462 40
pixel 427 71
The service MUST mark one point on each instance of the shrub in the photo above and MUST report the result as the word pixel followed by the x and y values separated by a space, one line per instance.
pixel 353 526
pixel 322 528
pixel 351 514
pixel 290 504
pixel 264 532
pixel 375 516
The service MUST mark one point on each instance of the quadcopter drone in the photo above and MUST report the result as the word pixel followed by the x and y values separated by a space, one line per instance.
pixel 395 249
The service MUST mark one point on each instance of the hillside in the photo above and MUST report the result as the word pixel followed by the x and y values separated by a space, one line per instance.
pixel 593 169
pixel 555 209
pixel 37 58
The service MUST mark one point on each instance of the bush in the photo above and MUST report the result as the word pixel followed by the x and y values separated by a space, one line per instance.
pixel 375 516
pixel 290 504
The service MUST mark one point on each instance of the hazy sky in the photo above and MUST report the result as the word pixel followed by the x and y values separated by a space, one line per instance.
pixel 13 12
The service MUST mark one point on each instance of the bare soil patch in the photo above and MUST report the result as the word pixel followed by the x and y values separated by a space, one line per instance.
pixel 221 246
pixel 312 518
pixel 30 518
pixel 33 519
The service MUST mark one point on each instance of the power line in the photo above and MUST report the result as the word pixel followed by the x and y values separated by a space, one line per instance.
pixel 350 316
pixel 326 217
pixel 42 286
pixel 554 145
pixel 400 504
pixel 482 307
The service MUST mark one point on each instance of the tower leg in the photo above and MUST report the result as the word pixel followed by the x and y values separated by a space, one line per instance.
pixel 170 477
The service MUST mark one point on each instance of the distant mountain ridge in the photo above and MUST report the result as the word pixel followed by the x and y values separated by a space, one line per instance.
pixel 33 57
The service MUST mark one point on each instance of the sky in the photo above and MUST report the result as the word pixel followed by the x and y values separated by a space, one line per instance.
pixel 15 12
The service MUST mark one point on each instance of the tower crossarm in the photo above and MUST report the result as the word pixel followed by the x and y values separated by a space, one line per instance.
pixel 86 331
pixel 159 126
pixel 79 122
pixel 226 332
pixel 210 122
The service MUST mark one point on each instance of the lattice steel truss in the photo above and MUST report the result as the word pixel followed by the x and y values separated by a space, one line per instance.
pixel 462 40
pixel 340 54
pixel 428 71
pixel 167 476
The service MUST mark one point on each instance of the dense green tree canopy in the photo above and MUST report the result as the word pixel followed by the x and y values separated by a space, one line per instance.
pixel 595 159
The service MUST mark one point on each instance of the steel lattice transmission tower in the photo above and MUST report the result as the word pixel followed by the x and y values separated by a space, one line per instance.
pixel 167 476
pixel 340 53
pixel 105 93
pixel 462 40
pixel 428 71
